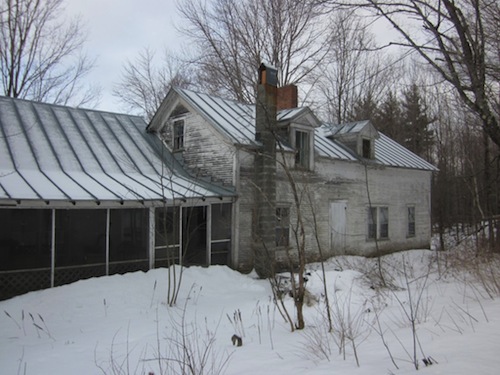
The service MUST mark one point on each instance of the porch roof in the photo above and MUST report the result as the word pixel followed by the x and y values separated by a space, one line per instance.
pixel 56 153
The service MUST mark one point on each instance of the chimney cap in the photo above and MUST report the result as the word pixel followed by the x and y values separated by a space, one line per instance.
pixel 268 74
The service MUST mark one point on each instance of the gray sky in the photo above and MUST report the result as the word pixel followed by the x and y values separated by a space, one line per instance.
pixel 118 30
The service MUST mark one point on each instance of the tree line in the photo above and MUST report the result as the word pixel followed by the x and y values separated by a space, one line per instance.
pixel 425 72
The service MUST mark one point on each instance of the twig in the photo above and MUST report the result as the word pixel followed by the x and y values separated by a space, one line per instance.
pixel 14 320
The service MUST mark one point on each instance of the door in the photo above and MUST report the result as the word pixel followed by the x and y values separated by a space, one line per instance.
pixel 194 236
pixel 338 216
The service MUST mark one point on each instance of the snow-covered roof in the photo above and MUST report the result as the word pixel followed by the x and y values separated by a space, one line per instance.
pixel 56 153
pixel 237 121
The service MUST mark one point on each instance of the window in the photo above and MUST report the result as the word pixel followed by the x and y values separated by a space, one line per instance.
pixel 302 149
pixel 367 148
pixel 411 221
pixel 178 135
pixel 378 222
pixel 383 225
pixel 282 226
pixel 372 222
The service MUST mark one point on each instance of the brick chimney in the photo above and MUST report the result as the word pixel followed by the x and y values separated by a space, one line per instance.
pixel 287 97
pixel 264 220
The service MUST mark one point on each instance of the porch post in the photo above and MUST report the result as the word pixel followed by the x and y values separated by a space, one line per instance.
pixel 151 239
pixel 181 230
pixel 209 235
pixel 107 240
pixel 53 249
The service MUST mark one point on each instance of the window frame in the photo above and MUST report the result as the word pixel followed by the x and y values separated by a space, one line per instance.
pixel 377 223
pixel 302 146
pixel 178 139
pixel 411 222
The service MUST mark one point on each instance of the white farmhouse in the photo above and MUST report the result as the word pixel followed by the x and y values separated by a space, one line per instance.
pixel 86 193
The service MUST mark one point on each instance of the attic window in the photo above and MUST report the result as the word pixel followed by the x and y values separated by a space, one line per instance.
pixel 178 135
pixel 367 148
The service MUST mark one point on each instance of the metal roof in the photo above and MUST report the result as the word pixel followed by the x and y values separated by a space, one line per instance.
pixel 56 153
pixel 350 127
pixel 237 121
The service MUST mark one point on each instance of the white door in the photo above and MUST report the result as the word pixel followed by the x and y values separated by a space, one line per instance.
pixel 338 214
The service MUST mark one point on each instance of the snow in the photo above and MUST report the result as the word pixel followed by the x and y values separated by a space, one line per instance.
pixel 119 324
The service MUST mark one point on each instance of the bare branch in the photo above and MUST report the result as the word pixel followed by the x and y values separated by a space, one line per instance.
pixel 41 58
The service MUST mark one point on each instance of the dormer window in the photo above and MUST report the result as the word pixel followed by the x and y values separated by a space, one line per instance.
pixel 359 136
pixel 367 148
pixel 178 135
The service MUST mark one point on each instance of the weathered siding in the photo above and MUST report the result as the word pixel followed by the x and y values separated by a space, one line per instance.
pixel 209 153
pixel 334 181
pixel 395 188
pixel 206 152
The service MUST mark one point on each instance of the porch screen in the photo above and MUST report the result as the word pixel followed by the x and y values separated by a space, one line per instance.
pixel 167 238
pixel 221 234
pixel 25 239
pixel 128 240
pixel 80 245
pixel 25 251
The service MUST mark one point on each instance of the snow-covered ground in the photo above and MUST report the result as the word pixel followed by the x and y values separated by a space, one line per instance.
pixel 121 325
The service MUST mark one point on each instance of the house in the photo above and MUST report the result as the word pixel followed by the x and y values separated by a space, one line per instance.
pixel 87 193
pixel 358 191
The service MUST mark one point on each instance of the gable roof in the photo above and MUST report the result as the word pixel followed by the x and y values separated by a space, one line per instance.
pixel 237 122
pixel 56 153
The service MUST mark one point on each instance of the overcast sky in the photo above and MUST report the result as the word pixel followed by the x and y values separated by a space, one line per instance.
pixel 118 30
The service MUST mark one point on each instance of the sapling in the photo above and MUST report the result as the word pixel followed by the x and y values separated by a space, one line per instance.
pixel 411 310
pixel 153 294
pixel 380 331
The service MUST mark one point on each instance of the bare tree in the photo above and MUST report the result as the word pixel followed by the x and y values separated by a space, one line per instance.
pixel 457 39
pixel 232 37
pixel 354 68
pixel 41 55
pixel 144 84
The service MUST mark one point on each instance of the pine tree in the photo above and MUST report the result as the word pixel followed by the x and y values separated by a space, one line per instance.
pixel 419 136
pixel 364 109
pixel 389 118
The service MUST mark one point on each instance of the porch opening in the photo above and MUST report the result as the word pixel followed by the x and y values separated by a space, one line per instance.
pixel 194 236
pixel 81 250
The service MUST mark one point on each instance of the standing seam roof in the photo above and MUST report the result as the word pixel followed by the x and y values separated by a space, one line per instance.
pixel 50 152
pixel 237 121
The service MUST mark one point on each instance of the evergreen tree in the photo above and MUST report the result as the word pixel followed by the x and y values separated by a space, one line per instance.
pixel 364 109
pixel 418 136
pixel 389 118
